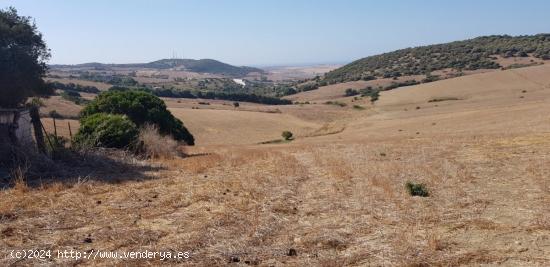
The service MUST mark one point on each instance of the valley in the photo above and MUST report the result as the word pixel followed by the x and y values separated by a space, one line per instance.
pixel 433 155
pixel 335 198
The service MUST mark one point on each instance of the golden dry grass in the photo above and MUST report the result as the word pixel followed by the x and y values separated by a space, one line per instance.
pixel 336 199
pixel 335 204
pixel 155 145
pixel 337 91
pixel 99 85
pixel 64 126
pixel 239 127
pixel 296 73
pixel 62 106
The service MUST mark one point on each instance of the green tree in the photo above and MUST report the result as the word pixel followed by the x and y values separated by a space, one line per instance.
pixel 23 56
pixel 142 108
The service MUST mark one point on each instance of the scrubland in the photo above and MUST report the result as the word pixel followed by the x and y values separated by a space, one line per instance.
pixel 335 198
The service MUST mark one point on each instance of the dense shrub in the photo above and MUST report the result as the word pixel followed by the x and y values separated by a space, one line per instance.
pixel 225 89
pixel 308 86
pixel 369 91
pixel 141 107
pixel 394 85
pixel 430 78
pixel 243 97
pixel 106 130
pixel 440 99
pixel 285 90
pixel 119 80
pixel 73 96
pixel 74 87
pixel 287 135
pixel 416 189
pixel 351 92
pixel 374 96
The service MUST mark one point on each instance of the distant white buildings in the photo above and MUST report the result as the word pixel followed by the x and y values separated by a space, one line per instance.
pixel 239 81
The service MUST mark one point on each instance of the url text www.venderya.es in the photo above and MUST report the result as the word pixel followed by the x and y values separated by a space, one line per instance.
pixel 47 254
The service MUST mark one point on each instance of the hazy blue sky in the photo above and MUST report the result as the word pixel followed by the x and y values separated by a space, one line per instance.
pixel 258 32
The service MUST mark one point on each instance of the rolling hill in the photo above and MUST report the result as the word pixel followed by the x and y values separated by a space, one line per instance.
pixel 482 157
pixel 473 54
pixel 192 65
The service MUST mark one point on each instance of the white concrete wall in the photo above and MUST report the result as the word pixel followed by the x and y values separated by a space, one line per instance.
pixel 24 129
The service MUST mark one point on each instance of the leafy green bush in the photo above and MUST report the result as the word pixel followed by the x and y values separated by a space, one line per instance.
pixel 351 92
pixel 73 96
pixel 106 130
pixel 287 135
pixel 141 107
pixel 369 91
pixel 373 93
pixel 416 189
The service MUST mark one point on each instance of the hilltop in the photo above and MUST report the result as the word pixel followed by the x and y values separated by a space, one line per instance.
pixel 484 52
pixel 191 65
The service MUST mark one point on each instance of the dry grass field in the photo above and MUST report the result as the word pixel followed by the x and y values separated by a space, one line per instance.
pixel 62 106
pixel 99 85
pixel 479 143
pixel 297 72
pixel 337 91
pixel 240 127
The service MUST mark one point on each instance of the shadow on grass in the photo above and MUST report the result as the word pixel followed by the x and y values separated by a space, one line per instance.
pixel 70 167
pixel 276 141
pixel 197 155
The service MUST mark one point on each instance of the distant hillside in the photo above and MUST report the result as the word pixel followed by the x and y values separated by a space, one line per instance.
pixel 472 54
pixel 203 65
pixel 192 65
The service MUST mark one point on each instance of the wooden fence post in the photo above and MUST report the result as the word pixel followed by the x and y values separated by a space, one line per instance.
pixel 70 132
pixel 37 125
pixel 54 127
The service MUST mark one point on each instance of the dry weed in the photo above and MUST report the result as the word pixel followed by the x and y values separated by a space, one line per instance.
pixel 155 145
pixel 19 180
